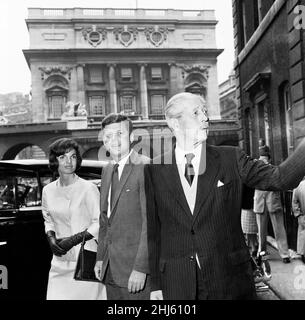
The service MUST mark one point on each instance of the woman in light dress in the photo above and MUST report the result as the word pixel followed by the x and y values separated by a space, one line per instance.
pixel 70 207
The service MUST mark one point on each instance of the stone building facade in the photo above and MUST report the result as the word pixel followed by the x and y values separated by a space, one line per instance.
pixel 227 98
pixel 120 60
pixel 270 75
pixel 270 85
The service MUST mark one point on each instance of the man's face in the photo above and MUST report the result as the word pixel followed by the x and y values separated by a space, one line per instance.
pixel 116 139
pixel 194 121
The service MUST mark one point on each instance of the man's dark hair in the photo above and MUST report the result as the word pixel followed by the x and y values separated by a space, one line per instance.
pixel 60 147
pixel 116 118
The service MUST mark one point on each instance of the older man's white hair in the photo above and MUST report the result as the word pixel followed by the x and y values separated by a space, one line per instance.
pixel 179 102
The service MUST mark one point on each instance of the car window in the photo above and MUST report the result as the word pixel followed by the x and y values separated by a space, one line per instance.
pixel 28 194
pixel 7 191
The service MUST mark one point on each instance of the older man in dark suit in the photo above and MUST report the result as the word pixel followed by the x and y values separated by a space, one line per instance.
pixel 122 256
pixel 196 245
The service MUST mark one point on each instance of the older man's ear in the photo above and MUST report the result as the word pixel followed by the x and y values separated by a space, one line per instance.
pixel 173 123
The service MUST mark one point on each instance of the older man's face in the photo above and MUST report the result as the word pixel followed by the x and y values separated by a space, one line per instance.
pixel 194 121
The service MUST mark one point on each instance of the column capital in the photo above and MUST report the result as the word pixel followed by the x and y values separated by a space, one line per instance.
pixel 142 64
pixel 113 65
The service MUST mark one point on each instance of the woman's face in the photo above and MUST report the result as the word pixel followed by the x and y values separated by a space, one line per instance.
pixel 67 162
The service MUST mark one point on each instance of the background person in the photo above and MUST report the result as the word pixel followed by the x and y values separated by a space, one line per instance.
pixel 248 220
pixel 268 204
pixel 70 207
pixel 298 208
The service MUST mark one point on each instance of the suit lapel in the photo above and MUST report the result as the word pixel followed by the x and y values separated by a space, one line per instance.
pixel 172 178
pixel 105 186
pixel 207 179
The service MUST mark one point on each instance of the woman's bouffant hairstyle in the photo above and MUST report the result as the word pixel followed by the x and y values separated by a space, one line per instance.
pixel 60 147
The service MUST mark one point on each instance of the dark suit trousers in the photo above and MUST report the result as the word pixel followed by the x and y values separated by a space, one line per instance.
pixel 114 292
pixel 201 293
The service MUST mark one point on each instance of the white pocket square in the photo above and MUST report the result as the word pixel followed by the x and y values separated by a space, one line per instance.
pixel 219 184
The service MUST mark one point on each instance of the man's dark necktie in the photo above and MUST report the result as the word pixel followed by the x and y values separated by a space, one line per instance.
pixel 114 184
pixel 189 169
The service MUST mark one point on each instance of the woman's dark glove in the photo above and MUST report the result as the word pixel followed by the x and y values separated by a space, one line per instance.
pixel 55 248
pixel 70 242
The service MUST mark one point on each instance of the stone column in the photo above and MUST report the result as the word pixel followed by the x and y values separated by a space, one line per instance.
pixel 80 83
pixel 112 89
pixel 143 92
pixel 172 79
pixel 177 76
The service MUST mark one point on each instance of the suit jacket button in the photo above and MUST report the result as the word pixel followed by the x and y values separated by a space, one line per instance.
pixel 192 231
pixel 192 258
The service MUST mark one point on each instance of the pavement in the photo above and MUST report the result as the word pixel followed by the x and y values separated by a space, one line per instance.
pixel 287 281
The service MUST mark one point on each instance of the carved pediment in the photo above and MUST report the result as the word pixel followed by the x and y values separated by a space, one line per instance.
pixel 201 69
pixel 55 70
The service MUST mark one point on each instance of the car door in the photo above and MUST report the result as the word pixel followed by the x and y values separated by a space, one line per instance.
pixel 25 252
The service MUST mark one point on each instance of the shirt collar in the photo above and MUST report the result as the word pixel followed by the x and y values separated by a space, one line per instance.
pixel 123 161
pixel 180 154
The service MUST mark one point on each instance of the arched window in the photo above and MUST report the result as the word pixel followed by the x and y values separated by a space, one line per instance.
pixel 56 88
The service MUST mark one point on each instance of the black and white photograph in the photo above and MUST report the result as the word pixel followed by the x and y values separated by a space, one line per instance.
pixel 152 151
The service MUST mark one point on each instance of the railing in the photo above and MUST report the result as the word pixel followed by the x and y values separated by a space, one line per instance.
pixel 120 12
pixel 93 12
pixel 155 12
pixel 124 12
pixel 53 12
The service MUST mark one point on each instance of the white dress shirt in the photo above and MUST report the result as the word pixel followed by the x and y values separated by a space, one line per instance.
pixel 190 191
pixel 121 166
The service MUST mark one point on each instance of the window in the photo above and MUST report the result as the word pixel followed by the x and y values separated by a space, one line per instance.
pixel 27 192
pixel 249 130
pixel 157 103
pixel 156 73
pixel 288 119
pixel 126 74
pixel 97 105
pixel 19 191
pixel 95 74
pixel 7 192
pixel 128 104
pixel 56 105
pixel 243 22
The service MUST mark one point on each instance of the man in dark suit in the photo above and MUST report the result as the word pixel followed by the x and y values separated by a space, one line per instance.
pixel 196 245
pixel 122 255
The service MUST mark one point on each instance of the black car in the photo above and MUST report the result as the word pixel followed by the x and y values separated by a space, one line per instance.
pixel 24 250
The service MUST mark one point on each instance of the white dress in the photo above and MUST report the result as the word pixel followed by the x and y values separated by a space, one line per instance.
pixel 68 210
